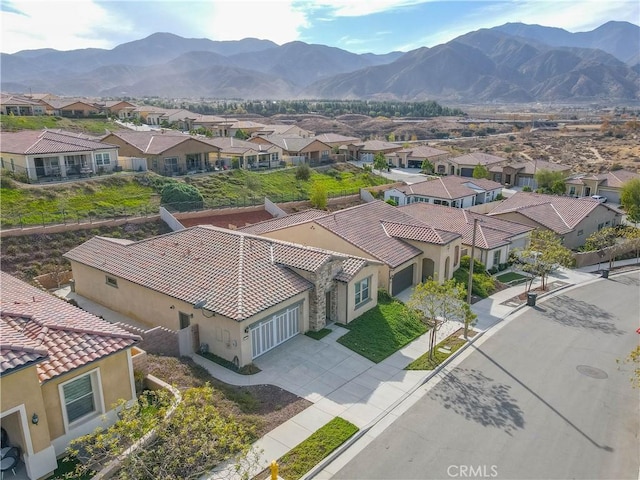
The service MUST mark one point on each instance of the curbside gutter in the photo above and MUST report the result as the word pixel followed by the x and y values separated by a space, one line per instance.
pixel 114 465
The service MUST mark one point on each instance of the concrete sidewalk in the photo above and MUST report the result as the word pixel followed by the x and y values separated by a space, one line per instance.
pixel 341 383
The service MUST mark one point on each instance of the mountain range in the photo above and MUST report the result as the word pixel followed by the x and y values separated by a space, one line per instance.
pixel 511 63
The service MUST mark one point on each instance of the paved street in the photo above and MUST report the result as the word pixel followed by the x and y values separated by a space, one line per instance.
pixel 541 397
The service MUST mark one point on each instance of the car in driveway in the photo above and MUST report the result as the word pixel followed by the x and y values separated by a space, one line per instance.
pixel 599 198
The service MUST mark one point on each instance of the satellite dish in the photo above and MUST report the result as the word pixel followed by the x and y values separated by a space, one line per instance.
pixel 199 304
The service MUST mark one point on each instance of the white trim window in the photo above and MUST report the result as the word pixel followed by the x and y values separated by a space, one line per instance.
pixel 81 398
pixel 363 291
pixel 103 159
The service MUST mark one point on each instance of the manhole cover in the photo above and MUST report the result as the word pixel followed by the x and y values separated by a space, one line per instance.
pixel 592 372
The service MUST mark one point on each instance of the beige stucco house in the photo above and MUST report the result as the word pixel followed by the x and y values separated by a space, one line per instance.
pixel 408 250
pixel 414 156
pixel 495 238
pixel 522 173
pixel 62 370
pixel 463 165
pixel 166 152
pixel 246 294
pixel 450 191
pixel 49 154
pixel 608 185
pixel 296 149
pixel 248 155
pixel 572 219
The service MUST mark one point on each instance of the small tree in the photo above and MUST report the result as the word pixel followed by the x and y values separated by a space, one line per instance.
pixel 241 134
pixel 545 255
pixel 550 182
pixel 603 239
pixel 318 197
pixel 480 171
pixel 181 196
pixel 632 234
pixel 630 199
pixel 438 304
pixel 427 166
pixel 379 161
pixel 303 172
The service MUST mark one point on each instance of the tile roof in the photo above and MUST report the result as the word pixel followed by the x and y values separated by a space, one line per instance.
pixel 60 103
pixel 614 179
pixel 154 142
pixel 477 158
pixel 364 227
pixel 290 143
pixel 33 142
pixel 422 151
pixel 7 99
pixel 560 214
pixel 36 326
pixel 450 187
pixel 279 223
pixel 237 274
pixel 530 167
pixel 235 145
pixel 492 232
pixel 377 146
pixel 330 138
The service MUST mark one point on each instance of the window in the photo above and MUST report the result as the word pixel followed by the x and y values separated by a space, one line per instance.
pixel 572 191
pixel 112 282
pixel 362 291
pixel 496 257
pixel 185 320
pixel 103 159
pixel 79 397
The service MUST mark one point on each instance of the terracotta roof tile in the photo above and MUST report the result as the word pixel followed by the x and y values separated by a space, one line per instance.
pixel 283 222
pixel 37 327
pixel 450 187
pixel 29 142
pixel 238 275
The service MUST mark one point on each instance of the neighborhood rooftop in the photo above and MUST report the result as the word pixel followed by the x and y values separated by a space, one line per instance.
pixel 31 142
pixel 37 327
pixel 236 274
pixel 450 187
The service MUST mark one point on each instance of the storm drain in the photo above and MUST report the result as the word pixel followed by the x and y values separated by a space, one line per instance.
pixel 592 372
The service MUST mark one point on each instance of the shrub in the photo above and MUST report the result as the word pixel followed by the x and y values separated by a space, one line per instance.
pixel 392 202
pixel 499 197
pixel 493 270
pixel 303 172
pixel 383 295
pixel 478 266
pixel 526 188
pixel 503 266
pixel 182 197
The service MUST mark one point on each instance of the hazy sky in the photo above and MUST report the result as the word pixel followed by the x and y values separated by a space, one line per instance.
pixel 359 26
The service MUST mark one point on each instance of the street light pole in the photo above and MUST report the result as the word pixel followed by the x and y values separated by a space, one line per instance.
pixel 471 262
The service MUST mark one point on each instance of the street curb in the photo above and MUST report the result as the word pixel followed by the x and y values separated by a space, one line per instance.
pixel 362 432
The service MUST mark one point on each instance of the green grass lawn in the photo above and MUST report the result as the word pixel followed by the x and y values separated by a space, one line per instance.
pixel 93 126
pixel 383 330
pixel 319 334
pixel 307 454
pixel 511 277
pixel 425 363
pixel 117 195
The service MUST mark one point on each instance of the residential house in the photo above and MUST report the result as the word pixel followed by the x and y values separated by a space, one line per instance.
pixel 572 219
pixel 246 127
pixel 335 140
pixel 495 238
pixel 409 251
pixel 246 154
pixel 124 110
pixel 607 184
pixel 246 294
pixel 166 152
pixel 284 131
pixel 297 150
pixel 366 151
pixel 71 107
pixel 414 156
pixel 20 105
pixel 463 165
pixel 61 371
pixel 49 154
pixel 149 114
pixel 41 97
pixel 522 173
pixel 451 191
pixel 218 126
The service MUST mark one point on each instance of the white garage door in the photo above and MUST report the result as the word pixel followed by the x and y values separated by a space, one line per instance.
pixel 273 331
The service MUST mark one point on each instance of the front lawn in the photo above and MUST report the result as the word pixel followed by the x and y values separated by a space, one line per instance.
pixel 307 454
pixel 383 330
pixel 512 278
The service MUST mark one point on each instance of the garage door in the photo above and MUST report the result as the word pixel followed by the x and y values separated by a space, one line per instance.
pixel 402 280
pixel 273 331
pixel 612 196
pixel 466 172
